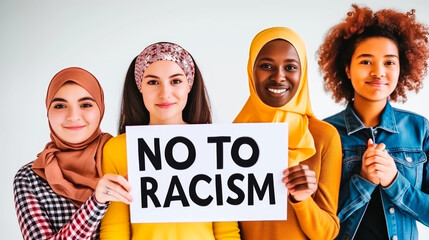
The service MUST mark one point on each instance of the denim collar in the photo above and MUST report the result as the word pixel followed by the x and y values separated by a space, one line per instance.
pixel 354 124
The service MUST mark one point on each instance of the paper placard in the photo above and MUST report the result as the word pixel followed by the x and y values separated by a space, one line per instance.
pixel 207 172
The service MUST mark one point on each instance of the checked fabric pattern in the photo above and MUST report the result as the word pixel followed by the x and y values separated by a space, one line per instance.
pixel 43 214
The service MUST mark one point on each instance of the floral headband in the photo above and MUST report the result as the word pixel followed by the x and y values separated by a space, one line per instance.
pixel 164 51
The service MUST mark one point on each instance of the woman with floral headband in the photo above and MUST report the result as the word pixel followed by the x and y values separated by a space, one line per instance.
pixel 163 86
pixel 63 194
pixel 368 60
pixel 277 76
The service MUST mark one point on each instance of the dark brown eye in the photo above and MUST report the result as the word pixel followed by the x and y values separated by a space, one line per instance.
pixel 59 106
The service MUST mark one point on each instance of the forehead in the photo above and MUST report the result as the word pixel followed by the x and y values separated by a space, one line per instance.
pixel 163 67
pixel 377 46
pixel 278 48
pixel 71 90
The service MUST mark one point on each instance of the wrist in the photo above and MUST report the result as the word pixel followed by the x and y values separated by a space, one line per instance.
pixel 292 199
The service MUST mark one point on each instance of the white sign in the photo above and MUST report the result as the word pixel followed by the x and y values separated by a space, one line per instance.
pixel 207 172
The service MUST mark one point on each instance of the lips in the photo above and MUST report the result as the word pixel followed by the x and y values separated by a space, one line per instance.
pixel 377 83
pixel 74 128
pixel 165 105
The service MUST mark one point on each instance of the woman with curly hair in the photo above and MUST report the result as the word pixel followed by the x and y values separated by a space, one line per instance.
pixel 368 60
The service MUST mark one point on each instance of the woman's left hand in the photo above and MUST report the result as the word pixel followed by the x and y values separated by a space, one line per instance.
pixel 300 182
pixel 113 187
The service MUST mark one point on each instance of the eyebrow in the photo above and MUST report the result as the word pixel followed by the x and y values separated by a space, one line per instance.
pixel 370 55
pixel 80 99
pixel 271 60
pixel 172 76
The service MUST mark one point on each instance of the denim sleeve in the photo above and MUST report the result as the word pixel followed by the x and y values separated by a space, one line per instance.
pixel 409 199
pixel 354 194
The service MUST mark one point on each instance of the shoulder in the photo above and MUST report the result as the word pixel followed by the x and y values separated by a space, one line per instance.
pixel 401 113
pixel 25 172
pixel 115 155
pixel 115 143
pixel 408 121
pixel 321 129
pixel 326 137
pixel 336 120
pixel 27 178
pixel 120 139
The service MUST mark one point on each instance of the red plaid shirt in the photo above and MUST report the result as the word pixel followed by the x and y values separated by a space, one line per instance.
pixel 43 214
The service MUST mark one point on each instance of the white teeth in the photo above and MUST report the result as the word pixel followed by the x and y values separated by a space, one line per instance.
pixel 276 91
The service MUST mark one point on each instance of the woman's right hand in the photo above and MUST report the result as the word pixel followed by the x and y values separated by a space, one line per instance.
pixel 113 187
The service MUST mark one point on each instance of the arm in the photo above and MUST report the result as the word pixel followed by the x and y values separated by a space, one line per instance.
pixel 407 197
pixel 356 192
pixel 34 221
pixel 226 230
pixel 317 215
pixel 116 222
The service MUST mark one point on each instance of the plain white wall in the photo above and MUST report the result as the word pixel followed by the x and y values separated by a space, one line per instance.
pixel 39 38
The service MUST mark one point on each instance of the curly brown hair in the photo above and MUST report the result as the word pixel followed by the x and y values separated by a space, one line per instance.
pixel 361 23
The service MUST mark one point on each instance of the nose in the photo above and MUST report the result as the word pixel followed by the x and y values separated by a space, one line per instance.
pixel 378 71
pixel 279 75
pixel 73 113
pixel 165 91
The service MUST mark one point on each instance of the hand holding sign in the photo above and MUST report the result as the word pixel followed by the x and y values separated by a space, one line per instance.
pixel 300 182
pixel 113 187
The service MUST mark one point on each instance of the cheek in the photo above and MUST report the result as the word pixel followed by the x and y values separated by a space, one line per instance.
pixel 296 77
pixel 394 76
pixel 93 117
pixel 55 119
pixel 357 74
pixel 147 97
pixel 257 78
pixel 183 94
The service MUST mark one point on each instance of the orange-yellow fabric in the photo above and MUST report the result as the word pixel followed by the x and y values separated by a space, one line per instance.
pixel 311 142
pixel 296 111
pixel 73 170
pixel 116 223
pixel 315 217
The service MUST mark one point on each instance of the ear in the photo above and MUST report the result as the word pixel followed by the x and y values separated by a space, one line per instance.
pixel 347 68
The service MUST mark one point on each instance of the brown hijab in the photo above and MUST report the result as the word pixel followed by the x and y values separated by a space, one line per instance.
pixel 73 170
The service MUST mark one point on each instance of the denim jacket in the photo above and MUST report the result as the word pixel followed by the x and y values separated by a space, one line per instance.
pixel 406 136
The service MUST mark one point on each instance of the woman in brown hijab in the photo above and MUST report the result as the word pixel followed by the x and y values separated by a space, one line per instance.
pixel 63 194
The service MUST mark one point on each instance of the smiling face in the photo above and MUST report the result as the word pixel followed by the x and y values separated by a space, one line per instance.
pixel 276 73
pixel 73 113
pixel 165 91
pixel 374 69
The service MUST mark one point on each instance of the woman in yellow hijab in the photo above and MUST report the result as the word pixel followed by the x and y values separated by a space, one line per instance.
pixel 277 71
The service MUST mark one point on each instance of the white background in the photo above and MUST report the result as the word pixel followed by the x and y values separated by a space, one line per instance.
pixel 39 38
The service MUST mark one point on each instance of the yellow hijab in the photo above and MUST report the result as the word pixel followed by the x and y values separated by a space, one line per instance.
pixel 296 111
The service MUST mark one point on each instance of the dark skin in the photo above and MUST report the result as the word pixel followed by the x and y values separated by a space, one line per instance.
pixel 276 76
pixel 300 181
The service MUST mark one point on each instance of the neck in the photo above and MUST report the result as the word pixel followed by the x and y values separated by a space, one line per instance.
pixel 369 112
pixel 166 122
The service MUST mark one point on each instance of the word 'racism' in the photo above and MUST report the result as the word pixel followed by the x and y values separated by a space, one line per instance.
pixel 176 191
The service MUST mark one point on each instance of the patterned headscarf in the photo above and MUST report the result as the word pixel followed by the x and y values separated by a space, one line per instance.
pixel 296 111
pixel 164 51
pixel 73 170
